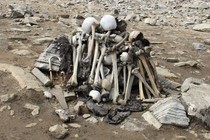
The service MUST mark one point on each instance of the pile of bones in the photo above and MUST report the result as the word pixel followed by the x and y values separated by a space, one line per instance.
pixel 101 62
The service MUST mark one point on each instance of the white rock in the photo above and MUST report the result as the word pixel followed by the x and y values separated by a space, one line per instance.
pixel 58 131
pixel 150 21
pixel 75 125
pixel 31 125
pixel 12 113
pixel 20 30
pixel 96 96
pixel 48 95
pixel 31 106
pixel 35 112
pixel 85 116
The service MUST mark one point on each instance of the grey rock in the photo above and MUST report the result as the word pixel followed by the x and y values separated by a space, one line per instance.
pixel 149 117
pixel 130 17
pixel 31 125
pixel 92 120
pixel 42 77
pixel 8 97
pixel 19 11
pixel 150 21
pixel 199 46
pixel 17 38
pixel 31 21
pixel 207 41
pixel 22 52
pixel 133 125
pixel 187 63
pixel 172 60
pixel 170 111
pixel 204 27
pixel 195 94
pixel 24 78
pixel 58 131
pixel 165 72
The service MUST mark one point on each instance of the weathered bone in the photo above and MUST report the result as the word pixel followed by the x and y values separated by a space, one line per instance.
pixel 97 77
pixel 73 80
pixel 91 80
pixel 137 74
pixel 124 58
pixel 151 76
pixel 115 73
pixel 128 86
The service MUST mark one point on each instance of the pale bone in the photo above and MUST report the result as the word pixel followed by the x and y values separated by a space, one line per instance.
pixel 141 92
pixel 120 43
pixel 73 80
pixel 115 75
pixel 107 59
pixel 91 44
pixel 151 76
pixel 102 71
pixel 137 74
pixel 128 86
pixel 97 72
pixel 96 53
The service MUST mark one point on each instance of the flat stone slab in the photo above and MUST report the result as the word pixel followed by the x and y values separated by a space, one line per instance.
pixel 196 95
pixel 24 78
pixel 170 111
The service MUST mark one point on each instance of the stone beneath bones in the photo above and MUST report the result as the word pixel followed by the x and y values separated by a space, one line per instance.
pixel 31 125
pixel 92 120
pixel 150 21
pixel 207 41
pixel 42 77
pixel 170 111
pixel 204 27
pixel 58 131
pixel 74 125
pixel 187 63
pixel 199 46
pixel 149 117
pixel 7 97
pixel 195 94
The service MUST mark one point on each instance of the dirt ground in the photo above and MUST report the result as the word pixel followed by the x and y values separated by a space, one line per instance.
pixel 171 42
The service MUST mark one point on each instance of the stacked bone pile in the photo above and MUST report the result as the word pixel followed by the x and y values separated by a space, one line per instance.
pixel 106 58
pixel 105 62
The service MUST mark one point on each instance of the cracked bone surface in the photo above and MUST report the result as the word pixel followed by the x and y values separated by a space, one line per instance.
pixel 96 53
pixel 115 74
pixel 97 72
pixel 73 80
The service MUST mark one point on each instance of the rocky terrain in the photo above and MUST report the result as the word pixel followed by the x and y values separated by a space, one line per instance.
pixel 179 32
